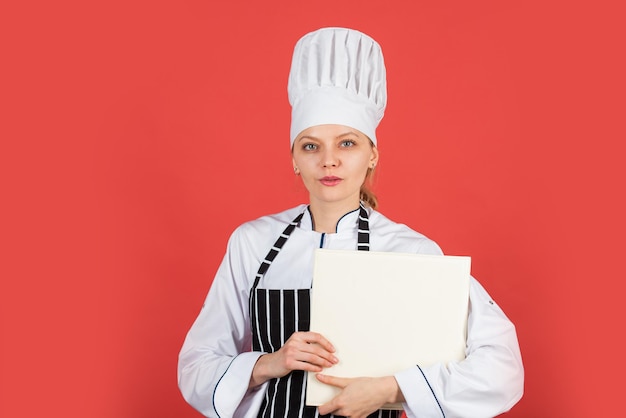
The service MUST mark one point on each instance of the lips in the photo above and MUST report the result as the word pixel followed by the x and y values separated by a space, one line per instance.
pixel 330 180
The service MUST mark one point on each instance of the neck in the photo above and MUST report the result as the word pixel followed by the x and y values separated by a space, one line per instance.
pixel 326 215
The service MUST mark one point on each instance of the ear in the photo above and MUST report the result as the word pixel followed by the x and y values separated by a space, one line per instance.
pixel 374 156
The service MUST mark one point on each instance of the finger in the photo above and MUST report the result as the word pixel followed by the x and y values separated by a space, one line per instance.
pixel 315 350
pixel 306 366
pixel 327 408
pixel 329 358
pixel 317 338
pixel 314 359
pixel 301 351
pixel 340 382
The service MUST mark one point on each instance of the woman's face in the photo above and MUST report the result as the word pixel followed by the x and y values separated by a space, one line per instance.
pixel 333 161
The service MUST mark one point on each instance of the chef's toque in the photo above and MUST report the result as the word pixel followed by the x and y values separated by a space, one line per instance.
pixel 337 77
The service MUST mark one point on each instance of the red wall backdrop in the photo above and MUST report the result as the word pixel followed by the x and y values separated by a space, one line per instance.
pixel 136 135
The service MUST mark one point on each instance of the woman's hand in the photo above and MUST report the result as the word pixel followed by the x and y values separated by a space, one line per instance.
pixel 307 351
pixel 360 396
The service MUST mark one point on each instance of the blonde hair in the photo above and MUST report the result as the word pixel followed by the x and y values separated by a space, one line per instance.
pixel 366 195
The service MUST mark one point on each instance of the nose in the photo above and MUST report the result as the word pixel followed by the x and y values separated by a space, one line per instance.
pixel 330 159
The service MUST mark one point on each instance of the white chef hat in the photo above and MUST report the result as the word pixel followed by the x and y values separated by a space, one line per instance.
pixel 337 77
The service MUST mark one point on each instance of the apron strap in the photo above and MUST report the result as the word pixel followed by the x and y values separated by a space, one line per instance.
pixel 278 245
pixel 363 241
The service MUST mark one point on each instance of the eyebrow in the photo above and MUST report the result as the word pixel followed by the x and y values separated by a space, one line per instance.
pixel 337 137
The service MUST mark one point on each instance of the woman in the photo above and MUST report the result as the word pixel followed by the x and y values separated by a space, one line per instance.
pixel 247 353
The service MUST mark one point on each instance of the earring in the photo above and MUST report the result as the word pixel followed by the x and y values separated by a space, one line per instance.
pixel 296 171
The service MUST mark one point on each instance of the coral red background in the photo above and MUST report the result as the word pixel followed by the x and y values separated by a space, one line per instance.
pixel 136 135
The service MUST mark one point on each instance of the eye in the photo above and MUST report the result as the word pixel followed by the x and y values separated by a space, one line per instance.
pixel 346 143
pixel 309 147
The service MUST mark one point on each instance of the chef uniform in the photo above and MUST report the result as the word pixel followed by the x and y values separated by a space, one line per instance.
pixel 260 294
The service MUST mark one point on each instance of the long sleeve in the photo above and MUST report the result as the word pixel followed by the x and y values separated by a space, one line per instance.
pixel 488 382
pixel 215 362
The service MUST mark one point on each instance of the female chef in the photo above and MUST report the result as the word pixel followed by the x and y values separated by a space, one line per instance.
pixel 247 352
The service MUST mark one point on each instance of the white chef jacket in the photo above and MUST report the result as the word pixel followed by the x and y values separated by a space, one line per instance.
pixel 216 361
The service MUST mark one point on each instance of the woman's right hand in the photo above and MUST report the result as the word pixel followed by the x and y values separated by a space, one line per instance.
pixel 307 351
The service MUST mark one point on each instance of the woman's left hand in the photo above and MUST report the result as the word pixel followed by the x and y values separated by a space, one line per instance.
pixel 360 396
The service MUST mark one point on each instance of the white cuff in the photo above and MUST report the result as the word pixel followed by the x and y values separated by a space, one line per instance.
pixel 419 394
pixel 232 387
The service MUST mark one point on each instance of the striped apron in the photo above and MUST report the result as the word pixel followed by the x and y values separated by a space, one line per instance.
pixel 275 315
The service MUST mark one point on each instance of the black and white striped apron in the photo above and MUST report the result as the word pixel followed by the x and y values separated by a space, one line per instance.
pixel 275 315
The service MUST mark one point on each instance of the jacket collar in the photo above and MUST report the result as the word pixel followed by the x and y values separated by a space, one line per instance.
pixel 347 223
